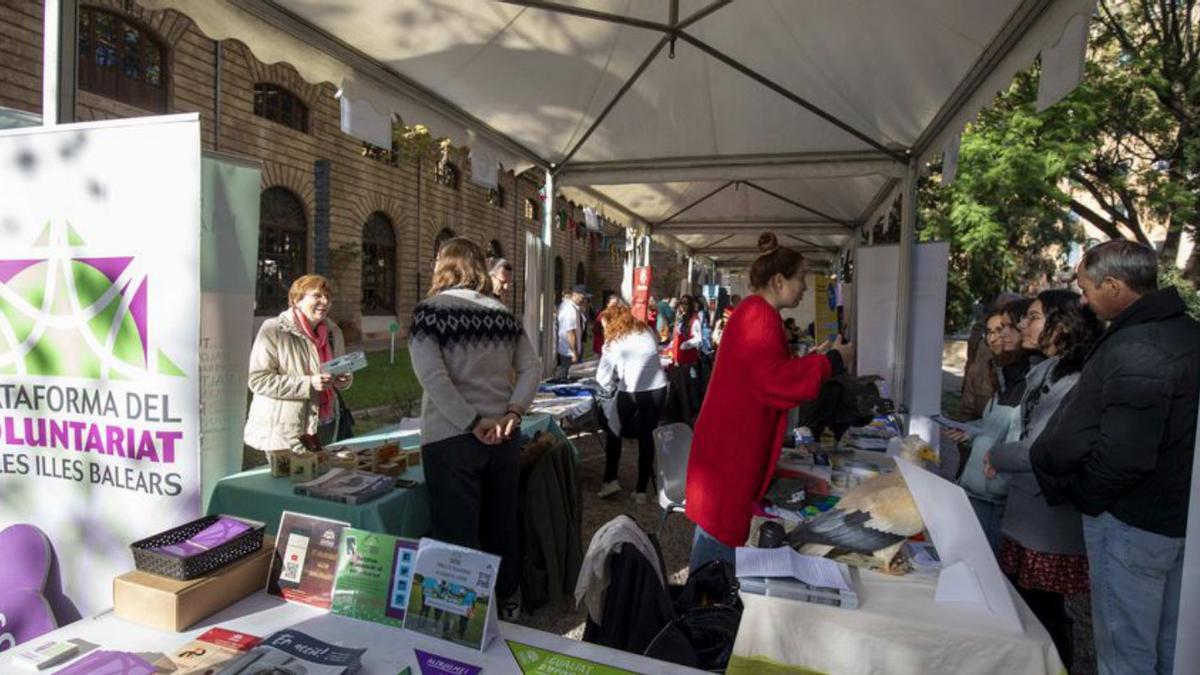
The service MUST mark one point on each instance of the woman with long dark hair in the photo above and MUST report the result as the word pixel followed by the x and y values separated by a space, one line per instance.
pixel 684 350
pixel 631 374
pixel 1041 546
pixel 464 345
pixel 755 382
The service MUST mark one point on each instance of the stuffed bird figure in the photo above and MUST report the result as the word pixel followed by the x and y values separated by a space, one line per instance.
pixel 873 519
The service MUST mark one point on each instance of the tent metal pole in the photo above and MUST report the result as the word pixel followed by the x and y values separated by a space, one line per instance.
pixel 701 13
pixel 612 104
pixel 841 221
pixel 786 93
pixel 590 14
pixel 60 48
pixel 903 337
pixel 853 289
pixel 549 336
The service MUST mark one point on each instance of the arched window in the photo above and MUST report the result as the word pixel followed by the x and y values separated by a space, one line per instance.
pixel 442 237
pixel 121 60
pixel 580 274
pixel 282 248
pixel 531 209
pixel 378 265
pixel 280 106
pixel 495 250
pixel 558 276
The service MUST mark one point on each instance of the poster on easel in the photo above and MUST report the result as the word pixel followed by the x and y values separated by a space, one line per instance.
pixel 640 305
pixel 452 595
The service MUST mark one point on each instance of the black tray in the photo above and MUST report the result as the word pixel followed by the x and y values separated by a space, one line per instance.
pixel 191 567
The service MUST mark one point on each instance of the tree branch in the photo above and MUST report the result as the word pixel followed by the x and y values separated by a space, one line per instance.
pixel 1102 224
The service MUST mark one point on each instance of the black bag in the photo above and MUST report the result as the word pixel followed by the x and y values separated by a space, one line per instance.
pixel 844 401
pixel 345 427
pixel 709 613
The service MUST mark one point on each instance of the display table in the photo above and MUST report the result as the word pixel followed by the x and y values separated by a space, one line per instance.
pixel 897 629
pixel 389 650
pixel 255 494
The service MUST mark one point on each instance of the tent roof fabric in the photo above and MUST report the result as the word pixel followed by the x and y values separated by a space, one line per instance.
pixel 810 103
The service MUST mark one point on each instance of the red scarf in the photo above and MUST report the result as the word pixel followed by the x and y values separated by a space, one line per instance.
pixel 320 339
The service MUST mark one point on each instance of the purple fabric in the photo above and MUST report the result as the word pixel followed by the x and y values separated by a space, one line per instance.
pixel 24 615
pixel 220 532
pixel 27 555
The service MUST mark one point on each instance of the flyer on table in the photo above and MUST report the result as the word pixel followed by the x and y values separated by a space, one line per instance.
pixel 305 563
pixel 451 596
pixel 374 576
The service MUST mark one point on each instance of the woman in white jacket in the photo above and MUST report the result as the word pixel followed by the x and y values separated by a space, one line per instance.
pixel 635 390
pixel 292 397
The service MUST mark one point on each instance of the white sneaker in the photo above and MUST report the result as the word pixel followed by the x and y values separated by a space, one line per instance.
pixel 639 497
pixel 609 489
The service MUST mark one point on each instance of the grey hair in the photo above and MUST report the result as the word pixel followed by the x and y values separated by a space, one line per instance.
pixel 1126 261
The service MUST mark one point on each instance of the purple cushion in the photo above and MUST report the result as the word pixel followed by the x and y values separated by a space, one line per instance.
pixel 24 615
pixel 27 555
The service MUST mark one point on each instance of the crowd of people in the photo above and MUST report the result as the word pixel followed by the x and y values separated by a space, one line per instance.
pixel 1081 469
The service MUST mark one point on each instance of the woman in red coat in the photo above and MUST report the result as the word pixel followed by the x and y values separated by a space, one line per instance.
pixel 755 382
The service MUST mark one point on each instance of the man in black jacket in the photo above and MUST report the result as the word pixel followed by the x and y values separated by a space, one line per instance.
pixel 1120 449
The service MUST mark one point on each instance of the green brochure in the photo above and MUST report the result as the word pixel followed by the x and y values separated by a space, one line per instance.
pixel 374 576
pixel 538 661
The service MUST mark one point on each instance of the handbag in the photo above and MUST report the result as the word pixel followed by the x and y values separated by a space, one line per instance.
pixel 345 426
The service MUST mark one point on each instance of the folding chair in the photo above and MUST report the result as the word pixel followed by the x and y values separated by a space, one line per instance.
pixel 672 445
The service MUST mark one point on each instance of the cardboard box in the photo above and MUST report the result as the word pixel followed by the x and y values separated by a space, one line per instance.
pixel 168 604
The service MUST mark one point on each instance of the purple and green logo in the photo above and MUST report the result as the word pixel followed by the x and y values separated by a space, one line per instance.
pixel 70 314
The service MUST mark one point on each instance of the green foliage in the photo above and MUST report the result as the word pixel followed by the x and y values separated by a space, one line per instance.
pixel 1169 276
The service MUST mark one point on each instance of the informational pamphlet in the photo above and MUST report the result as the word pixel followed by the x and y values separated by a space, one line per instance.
pixel 374 576
pixel 290 651
pixel 537 661
pixel 451 596
pixel 346 363
pixel 213 648
pixel 436 664
pixel 305 563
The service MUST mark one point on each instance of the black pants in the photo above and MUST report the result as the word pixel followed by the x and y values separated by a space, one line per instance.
pixel 1050 609
pixel 473 499
pixel 563 371
pixel 639 413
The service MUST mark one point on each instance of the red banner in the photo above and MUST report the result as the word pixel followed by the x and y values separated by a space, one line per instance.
pixel 641 293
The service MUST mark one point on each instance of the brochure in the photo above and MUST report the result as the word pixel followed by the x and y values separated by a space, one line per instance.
pixel 222 531
pixel 213 648
pixel 374 576
pixel 435 664
pixel 451 596
pixel 347 486
pixel 346 363
pixel 304 566
pixel 110 663
pixel 290 651
pixel 537 661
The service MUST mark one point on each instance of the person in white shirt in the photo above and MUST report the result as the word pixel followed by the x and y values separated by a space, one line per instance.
pixel 634 392
pixel 570 330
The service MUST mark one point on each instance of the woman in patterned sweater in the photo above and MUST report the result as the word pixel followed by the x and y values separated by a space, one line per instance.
pixel 464 343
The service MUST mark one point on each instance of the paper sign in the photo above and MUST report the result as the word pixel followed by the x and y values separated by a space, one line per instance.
pixel 433 664
pixel 451 596
pixel 956 533
pixel 537 661
pixel 304 566
pixel 374 577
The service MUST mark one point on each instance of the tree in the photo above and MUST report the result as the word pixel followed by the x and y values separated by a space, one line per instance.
pixel 1118 152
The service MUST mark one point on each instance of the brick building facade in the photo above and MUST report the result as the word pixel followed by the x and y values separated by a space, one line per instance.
pixel 320 192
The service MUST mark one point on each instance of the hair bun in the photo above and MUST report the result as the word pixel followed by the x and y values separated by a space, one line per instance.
pixel 767 243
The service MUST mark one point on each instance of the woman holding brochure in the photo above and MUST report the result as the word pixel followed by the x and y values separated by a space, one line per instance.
pixel 1041 547
pixel 464 345
pixel 1001 423
pixel 292 397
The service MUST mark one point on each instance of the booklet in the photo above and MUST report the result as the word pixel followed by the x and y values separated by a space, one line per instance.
pixel 346 363
pixel 374 576
pixel 451 596
pixel 304 566
pixel 201 656
pixel 537 661
pixel 347 486
pixel 290 651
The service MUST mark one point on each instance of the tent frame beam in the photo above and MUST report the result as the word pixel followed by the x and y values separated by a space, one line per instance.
pixel 738 167
pixel 695 203
pixel 844 223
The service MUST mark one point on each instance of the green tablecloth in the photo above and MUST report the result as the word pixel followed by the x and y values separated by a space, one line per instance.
pixel 255 494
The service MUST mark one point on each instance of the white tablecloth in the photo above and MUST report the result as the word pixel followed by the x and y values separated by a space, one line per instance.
pixel 898 629
pixel 389 650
